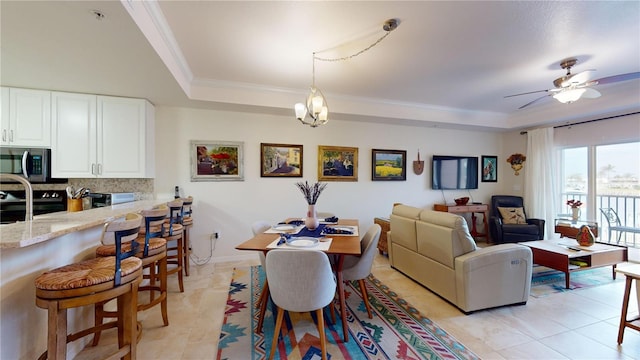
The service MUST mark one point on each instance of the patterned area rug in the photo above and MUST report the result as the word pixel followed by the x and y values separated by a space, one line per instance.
pixel 397 330
pixel 546 281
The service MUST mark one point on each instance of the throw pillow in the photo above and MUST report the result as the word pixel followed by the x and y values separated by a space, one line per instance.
pixel 512 215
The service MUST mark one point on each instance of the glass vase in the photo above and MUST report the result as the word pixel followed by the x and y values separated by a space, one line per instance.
pixel 575 214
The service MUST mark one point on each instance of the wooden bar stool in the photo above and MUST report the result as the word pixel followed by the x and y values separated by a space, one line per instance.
pixel 187 223
pixel 93 281
pixel 152 251
pixel 174 235
pixel 631 273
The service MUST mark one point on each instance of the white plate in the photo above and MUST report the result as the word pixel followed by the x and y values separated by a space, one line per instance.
pixel 302 242
pixel 345 228
pixel 283 227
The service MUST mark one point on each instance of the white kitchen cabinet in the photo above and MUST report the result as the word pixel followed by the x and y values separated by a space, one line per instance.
pixel 26 117
pixel 102 136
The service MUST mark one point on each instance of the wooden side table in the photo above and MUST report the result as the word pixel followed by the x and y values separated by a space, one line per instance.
pixel 473 209
pixel 386 226
pixel 631 273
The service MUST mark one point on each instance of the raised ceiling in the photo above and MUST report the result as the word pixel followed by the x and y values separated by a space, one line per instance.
pixel 449 63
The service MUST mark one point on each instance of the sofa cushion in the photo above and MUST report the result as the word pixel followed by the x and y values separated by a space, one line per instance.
pixel 512 215
pixel 403 225
pixel 443 236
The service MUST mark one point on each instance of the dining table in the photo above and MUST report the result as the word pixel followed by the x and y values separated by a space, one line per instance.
pixel 340 246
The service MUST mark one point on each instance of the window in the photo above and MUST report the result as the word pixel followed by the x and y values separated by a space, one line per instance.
pixel 609 177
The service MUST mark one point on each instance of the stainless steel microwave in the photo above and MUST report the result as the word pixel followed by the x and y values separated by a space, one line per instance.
pixel 32 163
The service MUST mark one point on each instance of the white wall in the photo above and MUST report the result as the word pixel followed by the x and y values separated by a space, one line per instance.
pixel 231 207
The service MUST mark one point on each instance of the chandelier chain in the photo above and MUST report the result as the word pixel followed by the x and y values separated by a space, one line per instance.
pixel 352 55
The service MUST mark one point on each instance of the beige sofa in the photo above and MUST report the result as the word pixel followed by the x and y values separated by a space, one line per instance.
pixel 436 250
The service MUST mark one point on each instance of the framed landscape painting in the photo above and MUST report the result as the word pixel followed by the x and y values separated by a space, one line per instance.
pixel 278 160
pixel 388 165
pixel 489 168
pixel 337 163
pixel 217 160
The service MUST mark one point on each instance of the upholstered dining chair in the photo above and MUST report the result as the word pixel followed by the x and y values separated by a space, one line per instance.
pixel 509 223
pixel 259 227
pixel 300 281
pixel 359 267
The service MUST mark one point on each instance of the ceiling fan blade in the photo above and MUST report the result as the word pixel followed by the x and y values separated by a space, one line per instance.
pixel 617 78
pixel 531 102
pixel 527 93
pixel 578 78
pixel 590 93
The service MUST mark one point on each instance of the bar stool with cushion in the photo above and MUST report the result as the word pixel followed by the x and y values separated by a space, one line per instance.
pixel 152 250
pixel 174 235
pixel 93 281
pixel 187 223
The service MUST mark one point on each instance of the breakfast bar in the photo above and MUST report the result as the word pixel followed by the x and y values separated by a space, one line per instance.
pixel 30 248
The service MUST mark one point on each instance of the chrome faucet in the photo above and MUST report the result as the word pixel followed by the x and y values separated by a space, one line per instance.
pixel 28 192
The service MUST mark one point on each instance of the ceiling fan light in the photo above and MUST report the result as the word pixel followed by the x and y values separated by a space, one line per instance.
pixel 569 96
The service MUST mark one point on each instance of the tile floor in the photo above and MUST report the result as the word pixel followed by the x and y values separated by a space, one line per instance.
pixel 581 324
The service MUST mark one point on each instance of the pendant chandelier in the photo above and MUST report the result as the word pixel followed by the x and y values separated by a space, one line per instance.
pixel 316 107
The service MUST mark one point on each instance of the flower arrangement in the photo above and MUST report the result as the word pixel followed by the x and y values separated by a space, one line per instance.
pixel 311 192
pixel 516 159
pixel 574 203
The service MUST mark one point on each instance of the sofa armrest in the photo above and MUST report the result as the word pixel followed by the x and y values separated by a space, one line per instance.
pixel 495 227
pixel 494 276
pixel 540 224
pixel 476 260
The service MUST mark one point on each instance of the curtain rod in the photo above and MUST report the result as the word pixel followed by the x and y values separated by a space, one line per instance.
pixel 589 121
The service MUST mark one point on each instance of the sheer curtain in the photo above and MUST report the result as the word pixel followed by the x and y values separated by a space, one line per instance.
pixel 541 180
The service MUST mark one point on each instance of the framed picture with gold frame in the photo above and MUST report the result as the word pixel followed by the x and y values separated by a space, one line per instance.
pixel 337 163
pixel 280 160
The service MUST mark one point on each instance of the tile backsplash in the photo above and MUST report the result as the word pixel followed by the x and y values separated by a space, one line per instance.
pixel 143 188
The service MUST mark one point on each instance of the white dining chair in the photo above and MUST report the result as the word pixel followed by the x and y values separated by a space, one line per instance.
pixel 259 227
pixel 300 281
pixel 359 267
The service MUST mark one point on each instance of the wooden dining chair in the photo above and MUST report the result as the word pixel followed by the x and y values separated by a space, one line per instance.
pixel 300 281
pixel 359 267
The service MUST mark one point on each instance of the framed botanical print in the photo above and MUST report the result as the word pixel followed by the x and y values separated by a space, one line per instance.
pixel 278 160
pixel 336 163
pixel 489 168
pixel 388 165
pixel 217 160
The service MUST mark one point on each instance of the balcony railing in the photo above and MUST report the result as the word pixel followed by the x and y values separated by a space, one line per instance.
pixel 626 206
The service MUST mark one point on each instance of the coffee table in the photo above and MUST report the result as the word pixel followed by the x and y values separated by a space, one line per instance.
pixel 558 254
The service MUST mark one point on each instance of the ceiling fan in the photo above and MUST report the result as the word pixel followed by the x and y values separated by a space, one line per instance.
pixel 573 87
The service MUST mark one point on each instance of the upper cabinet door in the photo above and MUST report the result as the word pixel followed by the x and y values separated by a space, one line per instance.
pixel 29 118
pixel 4 117
pixel 125 138
pixel 74 135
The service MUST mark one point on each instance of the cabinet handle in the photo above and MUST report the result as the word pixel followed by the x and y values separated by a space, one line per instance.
pixel 99 169
pixel 93 169
pixel 4 134
pixel 11 136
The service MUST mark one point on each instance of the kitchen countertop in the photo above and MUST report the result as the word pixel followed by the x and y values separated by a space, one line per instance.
pixel 49 226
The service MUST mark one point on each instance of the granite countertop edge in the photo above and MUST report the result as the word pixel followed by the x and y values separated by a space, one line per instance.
pixel 50 226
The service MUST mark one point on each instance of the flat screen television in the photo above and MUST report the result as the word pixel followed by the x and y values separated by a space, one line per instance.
pixel 454 172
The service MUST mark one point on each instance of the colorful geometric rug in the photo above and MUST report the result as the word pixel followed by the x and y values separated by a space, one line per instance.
pixel 546 281
pixel 397 330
